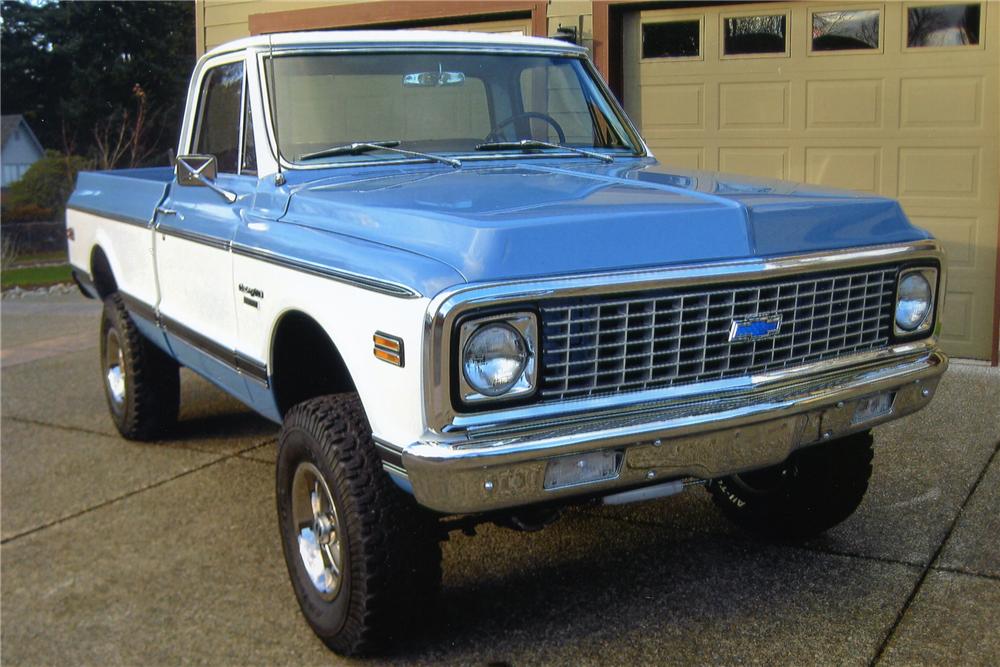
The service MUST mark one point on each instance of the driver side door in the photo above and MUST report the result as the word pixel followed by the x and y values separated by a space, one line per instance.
pixel 194 228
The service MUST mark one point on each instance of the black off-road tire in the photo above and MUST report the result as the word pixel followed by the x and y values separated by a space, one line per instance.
pixel 815 489
pixel 391 567
pixel 147 407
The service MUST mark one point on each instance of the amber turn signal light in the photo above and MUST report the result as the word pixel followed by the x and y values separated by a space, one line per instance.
pixel 388 348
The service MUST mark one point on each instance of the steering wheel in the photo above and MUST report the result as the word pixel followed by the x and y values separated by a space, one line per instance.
pixel 495 132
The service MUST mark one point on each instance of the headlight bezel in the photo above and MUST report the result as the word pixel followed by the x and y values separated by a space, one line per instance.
pixel 926 327
pixel 525 323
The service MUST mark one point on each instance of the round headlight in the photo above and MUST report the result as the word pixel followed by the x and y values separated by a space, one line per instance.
pixel 913 302
pixel 494 359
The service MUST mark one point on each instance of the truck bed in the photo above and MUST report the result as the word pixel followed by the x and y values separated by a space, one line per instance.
pixel 130 195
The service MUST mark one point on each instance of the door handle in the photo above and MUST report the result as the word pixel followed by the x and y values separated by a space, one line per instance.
pixel 165 211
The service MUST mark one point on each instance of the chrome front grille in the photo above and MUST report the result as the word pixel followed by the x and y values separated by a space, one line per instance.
pixel 607 345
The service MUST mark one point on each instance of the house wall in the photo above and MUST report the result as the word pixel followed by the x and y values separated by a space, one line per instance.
pixel 19 153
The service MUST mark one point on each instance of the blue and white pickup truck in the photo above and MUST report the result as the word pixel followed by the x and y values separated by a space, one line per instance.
pixel 451 269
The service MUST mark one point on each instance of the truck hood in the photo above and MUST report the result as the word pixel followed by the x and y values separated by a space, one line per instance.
pixel 529 218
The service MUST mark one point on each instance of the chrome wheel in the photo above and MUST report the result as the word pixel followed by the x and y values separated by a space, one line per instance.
pixel 317 529
pixel 114 367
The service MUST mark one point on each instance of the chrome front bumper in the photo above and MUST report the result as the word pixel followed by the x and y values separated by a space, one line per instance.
pixel 707 438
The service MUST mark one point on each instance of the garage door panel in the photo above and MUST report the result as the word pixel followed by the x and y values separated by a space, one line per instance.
pixel 681 157
pixel 753 105
pixel 852 168
pixel 941 102
pixel 844 103
pixel 960 237
pixel 760 162
pixel 679 106
pixel 945 172
pixel 957 317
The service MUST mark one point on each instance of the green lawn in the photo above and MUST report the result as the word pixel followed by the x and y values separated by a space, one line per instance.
pixel 36 276
pixel 34 258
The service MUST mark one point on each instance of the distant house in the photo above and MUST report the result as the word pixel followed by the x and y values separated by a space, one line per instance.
pixel 19 148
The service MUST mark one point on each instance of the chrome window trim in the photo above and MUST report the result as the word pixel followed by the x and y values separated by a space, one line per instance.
pixel 243 116
pixel 446 307
pixel 190 123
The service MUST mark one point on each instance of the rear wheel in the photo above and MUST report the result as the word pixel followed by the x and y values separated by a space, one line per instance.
pixel 360 553
pixel 814 490
pixel 141 383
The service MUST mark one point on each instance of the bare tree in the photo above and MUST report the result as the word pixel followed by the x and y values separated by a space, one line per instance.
pixel 123 138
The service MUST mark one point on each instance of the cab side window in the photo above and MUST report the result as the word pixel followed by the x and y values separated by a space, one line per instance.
pixel 220 113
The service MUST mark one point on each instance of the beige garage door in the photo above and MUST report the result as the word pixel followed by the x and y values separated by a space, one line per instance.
pixel 518 26
pixel 894 98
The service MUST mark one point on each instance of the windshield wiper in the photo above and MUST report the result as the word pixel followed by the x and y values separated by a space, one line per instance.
pixel 359 147
pixel 529 144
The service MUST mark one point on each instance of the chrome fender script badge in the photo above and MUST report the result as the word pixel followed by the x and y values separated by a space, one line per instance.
pixel 755 328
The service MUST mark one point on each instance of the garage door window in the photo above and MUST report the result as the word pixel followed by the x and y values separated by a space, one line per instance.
pixel 672 39
pixel 943 25
pixel 846 30
pixel 755 35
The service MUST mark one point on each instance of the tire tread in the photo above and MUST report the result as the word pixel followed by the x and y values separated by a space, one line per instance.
pixel 832 479
pixel 394 551
pixel 152 398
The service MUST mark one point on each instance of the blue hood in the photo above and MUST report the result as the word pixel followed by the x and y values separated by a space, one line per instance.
pixel 546 217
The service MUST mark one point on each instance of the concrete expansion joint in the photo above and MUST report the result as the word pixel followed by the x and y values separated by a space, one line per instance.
pixel 934 559
pixel 965 573
pixel 71 429
pixel 117 499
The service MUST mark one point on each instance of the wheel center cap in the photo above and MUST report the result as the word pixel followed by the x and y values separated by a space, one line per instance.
pixel 324 528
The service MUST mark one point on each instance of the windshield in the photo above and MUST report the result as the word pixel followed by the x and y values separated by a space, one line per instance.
pixel 442 103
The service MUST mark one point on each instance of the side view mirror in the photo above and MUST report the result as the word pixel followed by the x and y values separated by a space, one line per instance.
pixel 201 170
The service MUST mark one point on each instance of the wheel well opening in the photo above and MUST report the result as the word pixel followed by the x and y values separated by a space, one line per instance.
pixel 100 271
pixel 305 362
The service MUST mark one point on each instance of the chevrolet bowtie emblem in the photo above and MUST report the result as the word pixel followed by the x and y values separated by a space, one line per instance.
pixel 755 328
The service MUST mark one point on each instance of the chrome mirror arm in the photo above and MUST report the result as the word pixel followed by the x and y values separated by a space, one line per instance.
pixel 198 175
pixel 208 183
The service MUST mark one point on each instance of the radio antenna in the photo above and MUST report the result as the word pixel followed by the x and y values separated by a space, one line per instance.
pixel 272 99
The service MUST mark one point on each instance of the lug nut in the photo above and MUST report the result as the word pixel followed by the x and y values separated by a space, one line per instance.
pixel 488 485
pixel 925 392
pixel 657 442
pixel 651 474
pixel 827 435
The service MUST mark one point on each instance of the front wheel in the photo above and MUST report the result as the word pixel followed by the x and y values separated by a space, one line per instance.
pixel 359 552
pixel 814 490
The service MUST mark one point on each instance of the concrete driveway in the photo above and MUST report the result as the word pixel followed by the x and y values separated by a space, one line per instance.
pixel 122 553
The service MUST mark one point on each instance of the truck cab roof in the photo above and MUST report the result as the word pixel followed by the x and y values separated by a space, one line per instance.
pixel 415 38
